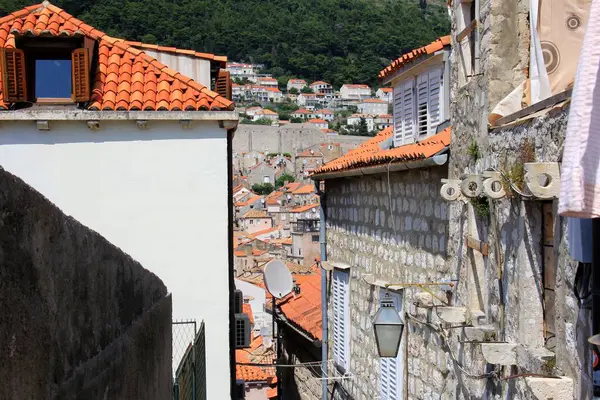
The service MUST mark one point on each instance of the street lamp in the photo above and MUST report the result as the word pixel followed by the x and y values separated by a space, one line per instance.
pixel 388 328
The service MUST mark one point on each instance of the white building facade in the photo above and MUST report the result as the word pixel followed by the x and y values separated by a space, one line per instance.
pixel 373 107
pixel 355 92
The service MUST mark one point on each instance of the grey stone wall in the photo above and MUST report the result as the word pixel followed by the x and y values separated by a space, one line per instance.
pixel 301 382
pixel 286 139
pixel 404 241
pixel 80 318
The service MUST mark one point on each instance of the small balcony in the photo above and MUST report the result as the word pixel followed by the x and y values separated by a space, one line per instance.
pixel 306 225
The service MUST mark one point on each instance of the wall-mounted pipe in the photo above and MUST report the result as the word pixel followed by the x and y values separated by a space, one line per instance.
pixel 324 333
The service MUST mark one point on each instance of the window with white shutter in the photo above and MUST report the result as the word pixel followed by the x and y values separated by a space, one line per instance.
pixel 341 318
pixel 435 100
pixel 391 370
pixel 408 112
pixel 397 115
pixel 422 102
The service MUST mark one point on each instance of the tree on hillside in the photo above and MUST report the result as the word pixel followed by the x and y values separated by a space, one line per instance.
pixel 263 188
pixel 293 91
pixel 279 182
pixel 307 89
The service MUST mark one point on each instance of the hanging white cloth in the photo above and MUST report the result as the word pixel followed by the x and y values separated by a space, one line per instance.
pixel 538 76
pixel 580 175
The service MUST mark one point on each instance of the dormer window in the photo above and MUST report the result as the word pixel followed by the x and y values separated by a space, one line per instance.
pixel 47 71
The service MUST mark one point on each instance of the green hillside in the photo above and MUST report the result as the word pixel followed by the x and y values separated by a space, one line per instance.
pixel 335 40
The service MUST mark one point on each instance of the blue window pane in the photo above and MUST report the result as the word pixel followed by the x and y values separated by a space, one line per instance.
pixel 53 79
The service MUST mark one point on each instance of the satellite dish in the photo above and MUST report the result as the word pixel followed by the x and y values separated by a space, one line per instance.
pixel 278 279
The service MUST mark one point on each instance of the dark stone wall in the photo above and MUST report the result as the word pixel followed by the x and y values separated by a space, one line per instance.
pixel 79 318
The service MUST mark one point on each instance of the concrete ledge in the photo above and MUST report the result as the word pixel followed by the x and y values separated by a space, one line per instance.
pixel 499 353
pixel 550 388
pixel 480 333
pixel 84 115
pixel 452 315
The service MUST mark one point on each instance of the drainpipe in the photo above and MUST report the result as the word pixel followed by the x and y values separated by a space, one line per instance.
pixel 595 288
pixel 323 241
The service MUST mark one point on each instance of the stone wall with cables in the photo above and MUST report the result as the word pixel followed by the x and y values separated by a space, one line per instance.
pixel 395 230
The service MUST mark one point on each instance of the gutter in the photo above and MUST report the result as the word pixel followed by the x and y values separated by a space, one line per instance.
pixel 324 322
pixel 439 159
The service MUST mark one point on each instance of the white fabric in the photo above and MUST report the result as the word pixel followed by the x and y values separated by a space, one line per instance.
pixel 580 175
pixel 540 83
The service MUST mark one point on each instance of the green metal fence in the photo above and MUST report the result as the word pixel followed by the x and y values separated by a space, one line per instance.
pixel 189 382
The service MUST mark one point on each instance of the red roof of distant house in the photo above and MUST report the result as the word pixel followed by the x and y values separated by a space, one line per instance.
pixel 310 153
pixel 387 89
pixel 319 83
pixel 317 121
pixel 247 309
pixel 305 189
pixel 126 78
pixel 374 101
pixel 304 310
pixel 266 231
pixel 303 111
pixel 297 81
pixel 356 86
pixel 409 57
pixel 370 153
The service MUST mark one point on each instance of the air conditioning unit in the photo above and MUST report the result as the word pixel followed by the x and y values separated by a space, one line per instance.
pixel 238 300
pixel 242 331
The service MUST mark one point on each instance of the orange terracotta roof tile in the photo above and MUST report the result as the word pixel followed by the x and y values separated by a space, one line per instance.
pixel 304 208
pixel 374 101
pixel 256 214
pixel 239 253
pixel 250 374
pixel 126 78
pixel 387 89
pixel 304 310
pixel 409 57
pixel 317 121
pixel 192 53
pixel 247 309
pixel 304 189
pixel 266 231
pixel 319 83
pixel 251 200
pixel 370 154
pixel 356 86
pixel 310 153
pixel 272 393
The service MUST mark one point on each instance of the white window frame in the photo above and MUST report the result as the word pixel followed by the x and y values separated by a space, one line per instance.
pixel 341 318
pixel 391 370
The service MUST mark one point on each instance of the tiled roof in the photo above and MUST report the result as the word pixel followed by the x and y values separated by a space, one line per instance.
pixel 303 111
pixel 247 309
pixel 249 201
pixel 266 111
pixel 310 153
pixel 239 253
pixel 174 50
pixel 255 214
pixel 304 208
pixel 355 86
pixel 266 231
pixel 272 393
pixel 319 83
pixel 387 89
pixel 317 121
pixel 304 310
pixel 126 78
pixel 305 189
pixel 293 186
pixel 409 57
pixel 297 81
pixel 374 101
pixel 370 153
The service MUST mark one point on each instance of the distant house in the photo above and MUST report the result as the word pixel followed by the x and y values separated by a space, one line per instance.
pixel 325 114
pixel 266 114
pixel 305 233
pixel 251 159
pixel 355 92
pixel 373 107
pixel 267 81
pixel 253 202
pixel 383 121
pixel 251 111
pixel 321 87
pixel 261 173
pixel 304 113
pixel 319 123
pixel 297 84
pixel 354 119
pixel 237 92
pixel 385 94
pixel 308 161
pixel 242 70
pixel 308 100
pixel 255 221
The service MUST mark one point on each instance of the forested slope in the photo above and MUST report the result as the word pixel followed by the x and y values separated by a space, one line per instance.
pixel 335 40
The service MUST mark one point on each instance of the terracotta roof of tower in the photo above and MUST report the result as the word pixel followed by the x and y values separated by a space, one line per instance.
pixel 126 78
pixel 409 57
pixel 370 153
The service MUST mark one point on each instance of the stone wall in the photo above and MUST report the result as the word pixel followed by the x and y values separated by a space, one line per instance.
pixel 80 319
pixel 287 138
pixel 404 241
pixel 301 382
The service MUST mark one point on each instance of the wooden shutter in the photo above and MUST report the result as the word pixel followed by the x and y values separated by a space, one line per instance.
pixel 397 110
pixel 408 112
pixel 422 101
pixel 435 94
pixel 341 319
pixel 223 84
pixel 13 79
pixel 81 75
pixel 391 370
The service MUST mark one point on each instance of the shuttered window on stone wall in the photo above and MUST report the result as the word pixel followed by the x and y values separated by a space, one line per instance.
pixel 13 79
pixel 341 318
pixel 81 75
pixel 391 370
pixel 408 112
pixel 223 84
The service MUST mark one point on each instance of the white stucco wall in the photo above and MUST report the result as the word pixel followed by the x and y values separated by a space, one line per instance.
pixel 196 68
pixel 159 194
